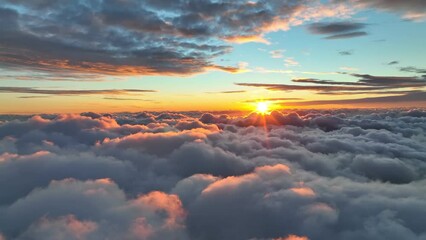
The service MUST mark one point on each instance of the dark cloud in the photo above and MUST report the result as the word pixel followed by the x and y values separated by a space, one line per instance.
pixel 347 35
pixel 228 92
pixel 29 97
pixel 149 37
pixel 338 30
pixel 97 47
pixel 307 174
pixel 43 76
pixel 318 88
pixel 391 81
pixel 273 99
pixel 346 53
pixel 366 84
pixel 30 90
pixel 410 9
pixel 325 82
pixel 413 70
pixel 407 97
pixel 393 63
pixel 386 92
pixel 335 27
pixel 134 37
pixel 128 99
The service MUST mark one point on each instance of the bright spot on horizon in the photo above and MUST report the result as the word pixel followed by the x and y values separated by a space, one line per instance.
pixel 262 107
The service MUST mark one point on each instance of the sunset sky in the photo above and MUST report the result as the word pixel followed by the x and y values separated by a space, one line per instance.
pixel 212 119
pixel 113 56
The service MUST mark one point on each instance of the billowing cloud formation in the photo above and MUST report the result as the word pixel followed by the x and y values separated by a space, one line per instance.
pixel 343 174
pixel 140 37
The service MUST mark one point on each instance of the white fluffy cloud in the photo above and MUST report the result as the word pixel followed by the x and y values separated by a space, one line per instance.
pixel 343 174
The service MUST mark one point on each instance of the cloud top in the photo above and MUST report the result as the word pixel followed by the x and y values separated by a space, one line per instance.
pixel 308 174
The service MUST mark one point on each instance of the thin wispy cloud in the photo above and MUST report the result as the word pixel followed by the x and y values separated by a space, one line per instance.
pixel 291 62
pixel 413 70
pixel 338 30
pixel 228 92
pixel 273 99
pixel 277 53
pixel 393 63
pixel 69 92
pixel 410 87
pixel 350 69
pixel 347 35
pixel 409 9
pixel 407 97
pixel 346 52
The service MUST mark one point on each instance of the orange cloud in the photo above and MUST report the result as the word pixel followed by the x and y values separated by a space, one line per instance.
pixel 103 122
pixel 171 204
pixel 273 170
pixel 68 224
pixel 246 39
pixel 303 191
pixel 292 237
pixel 232 182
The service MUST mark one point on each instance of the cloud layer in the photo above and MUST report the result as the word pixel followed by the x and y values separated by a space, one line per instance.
pixel 139 37
pixel 343 174
pixel 410 9
pixel 86 40
pixel 401 90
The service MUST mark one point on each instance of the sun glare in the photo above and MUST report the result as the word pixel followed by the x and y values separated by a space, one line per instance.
pixel 262 107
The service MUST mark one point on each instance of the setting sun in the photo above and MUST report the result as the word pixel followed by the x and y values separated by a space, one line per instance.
pixel 262 107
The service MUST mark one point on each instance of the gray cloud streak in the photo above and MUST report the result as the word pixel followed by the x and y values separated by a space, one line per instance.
pixel 29 90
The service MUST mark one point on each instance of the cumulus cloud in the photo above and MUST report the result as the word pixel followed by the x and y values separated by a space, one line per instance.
pixel 102 205
pixel 306 174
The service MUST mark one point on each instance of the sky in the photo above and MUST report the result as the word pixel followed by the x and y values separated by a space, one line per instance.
pixel 212 119
pixel 124 55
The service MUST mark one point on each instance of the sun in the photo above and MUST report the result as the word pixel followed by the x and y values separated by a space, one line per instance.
pixel 262 107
